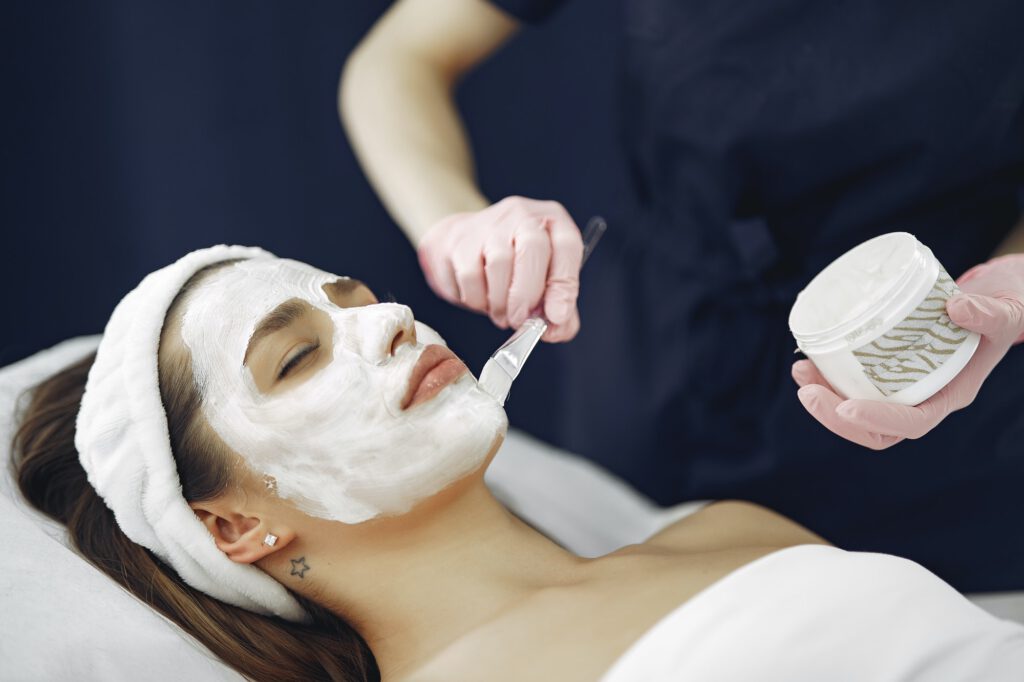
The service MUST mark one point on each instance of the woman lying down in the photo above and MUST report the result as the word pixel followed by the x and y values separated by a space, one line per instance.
pixel 292 472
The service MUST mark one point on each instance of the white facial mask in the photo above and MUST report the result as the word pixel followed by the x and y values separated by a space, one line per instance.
pixel 337 443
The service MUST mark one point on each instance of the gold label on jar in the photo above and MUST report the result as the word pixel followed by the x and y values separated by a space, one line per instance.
pixel 917 346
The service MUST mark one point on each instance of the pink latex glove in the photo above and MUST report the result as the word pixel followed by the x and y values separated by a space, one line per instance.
pixel 992 304
pixel 505 261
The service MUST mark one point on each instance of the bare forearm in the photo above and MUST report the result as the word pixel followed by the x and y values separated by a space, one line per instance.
pixel 408 137
pixel 396 103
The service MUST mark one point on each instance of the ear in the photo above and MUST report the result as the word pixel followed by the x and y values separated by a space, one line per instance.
pixel 241 538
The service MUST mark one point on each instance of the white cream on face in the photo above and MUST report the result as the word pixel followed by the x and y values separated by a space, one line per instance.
pixel 337 444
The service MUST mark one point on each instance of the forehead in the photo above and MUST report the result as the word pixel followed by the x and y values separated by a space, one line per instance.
pixel 226 307
pixel 266 278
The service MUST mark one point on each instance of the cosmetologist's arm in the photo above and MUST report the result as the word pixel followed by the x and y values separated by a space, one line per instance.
pixel 397 104
pixel 506 259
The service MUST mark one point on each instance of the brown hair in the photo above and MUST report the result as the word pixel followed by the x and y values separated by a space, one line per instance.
pixel 51 477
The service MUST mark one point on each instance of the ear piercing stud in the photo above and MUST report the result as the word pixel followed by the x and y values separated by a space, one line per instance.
pixel 270 540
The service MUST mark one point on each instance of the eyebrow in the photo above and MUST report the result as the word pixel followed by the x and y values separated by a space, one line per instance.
pixel 278 319
pixel 343 286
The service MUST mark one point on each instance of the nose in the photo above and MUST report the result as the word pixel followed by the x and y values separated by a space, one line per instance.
pixel 379 330
pixel 403 335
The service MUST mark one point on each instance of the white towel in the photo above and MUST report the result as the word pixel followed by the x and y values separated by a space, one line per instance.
pixel 122 439
pixel 813 612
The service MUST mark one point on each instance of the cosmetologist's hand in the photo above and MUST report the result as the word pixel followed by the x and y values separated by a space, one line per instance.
pixel 992 304
pixel 506 260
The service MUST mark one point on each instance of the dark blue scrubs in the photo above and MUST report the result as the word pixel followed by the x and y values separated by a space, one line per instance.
pixel 765 138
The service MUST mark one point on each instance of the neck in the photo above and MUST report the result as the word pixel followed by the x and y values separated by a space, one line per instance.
pixel 413 584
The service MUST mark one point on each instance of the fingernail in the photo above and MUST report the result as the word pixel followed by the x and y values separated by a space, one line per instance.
pixel 960 306
pixel 806 394
pixel 846 410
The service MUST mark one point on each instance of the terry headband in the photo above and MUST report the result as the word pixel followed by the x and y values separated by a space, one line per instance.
pixel 121 435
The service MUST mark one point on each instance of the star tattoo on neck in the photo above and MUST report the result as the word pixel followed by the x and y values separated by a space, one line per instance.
pixel 299 567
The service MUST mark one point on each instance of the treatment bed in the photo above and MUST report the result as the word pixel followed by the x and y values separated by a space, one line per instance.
pixel 64 620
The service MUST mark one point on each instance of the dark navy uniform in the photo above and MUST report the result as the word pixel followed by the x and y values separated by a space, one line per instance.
pixel 765 138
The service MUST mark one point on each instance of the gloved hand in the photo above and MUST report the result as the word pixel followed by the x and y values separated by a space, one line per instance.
pixel 992 303
pixel 507 260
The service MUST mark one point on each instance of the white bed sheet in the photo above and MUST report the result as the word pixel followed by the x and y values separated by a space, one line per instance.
pixel 61 618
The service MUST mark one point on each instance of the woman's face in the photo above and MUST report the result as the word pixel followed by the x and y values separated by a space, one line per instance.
pixel 348 407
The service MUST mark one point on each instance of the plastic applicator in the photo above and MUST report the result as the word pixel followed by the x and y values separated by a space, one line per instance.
pixel 505 364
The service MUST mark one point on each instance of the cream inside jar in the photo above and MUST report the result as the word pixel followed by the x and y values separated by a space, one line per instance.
pixel 874 322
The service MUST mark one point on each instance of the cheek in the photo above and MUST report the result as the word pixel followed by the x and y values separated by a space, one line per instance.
pixel 338 404
pixel 426 335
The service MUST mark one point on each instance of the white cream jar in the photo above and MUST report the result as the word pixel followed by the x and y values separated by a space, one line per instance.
pixel 874 322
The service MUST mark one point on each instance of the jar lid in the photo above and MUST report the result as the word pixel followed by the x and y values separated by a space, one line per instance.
pixel 858 287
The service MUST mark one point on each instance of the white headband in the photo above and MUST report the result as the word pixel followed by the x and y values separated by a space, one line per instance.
pixel 123 444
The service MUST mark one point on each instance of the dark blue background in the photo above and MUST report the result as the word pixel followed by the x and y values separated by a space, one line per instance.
pixel 138 131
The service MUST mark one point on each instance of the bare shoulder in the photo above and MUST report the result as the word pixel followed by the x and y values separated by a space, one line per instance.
pixel 574 634
pixel 733 523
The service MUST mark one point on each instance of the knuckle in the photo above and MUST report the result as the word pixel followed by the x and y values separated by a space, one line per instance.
pixel 1015 302
pixel 524 291
pixel 465 280
pixel 524 218
pixel 465 266
pixel 496 242
pixel 565 287
pixel 532 242
pixel 494 260
pixel 517 207
pixel 569 243
pixel 496 249
pixel 510 200
pixel 501 210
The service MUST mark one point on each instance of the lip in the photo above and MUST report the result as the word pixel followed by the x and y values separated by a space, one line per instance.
pixel 436 367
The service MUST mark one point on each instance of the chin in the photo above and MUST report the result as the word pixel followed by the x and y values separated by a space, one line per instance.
pixel 452 438
pixel 472 430
pixel 459 486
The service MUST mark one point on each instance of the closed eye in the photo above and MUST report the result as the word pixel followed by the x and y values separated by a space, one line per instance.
pixel 296 359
